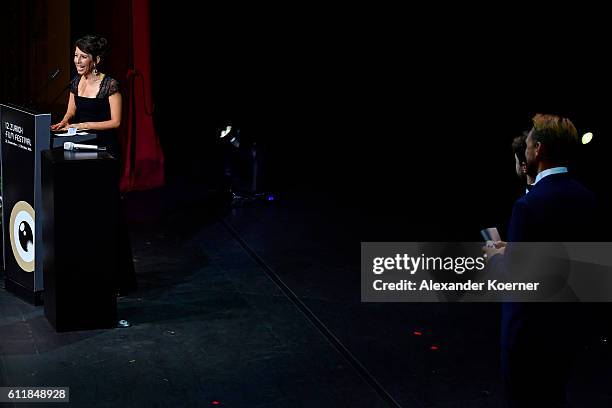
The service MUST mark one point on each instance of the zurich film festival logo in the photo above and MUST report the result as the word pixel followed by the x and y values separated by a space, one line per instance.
pixel 22 235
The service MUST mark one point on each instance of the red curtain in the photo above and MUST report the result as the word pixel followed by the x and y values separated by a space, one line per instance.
pixel 142 155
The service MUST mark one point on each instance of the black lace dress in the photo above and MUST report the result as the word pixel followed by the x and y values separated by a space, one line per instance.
pixel 97 110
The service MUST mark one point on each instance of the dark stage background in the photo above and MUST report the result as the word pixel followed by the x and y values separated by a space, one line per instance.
pixel 375 125
pixel 391 119
pixel 410 124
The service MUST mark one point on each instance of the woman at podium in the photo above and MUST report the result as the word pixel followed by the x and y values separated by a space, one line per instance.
pixel 95 105
pixel 95 100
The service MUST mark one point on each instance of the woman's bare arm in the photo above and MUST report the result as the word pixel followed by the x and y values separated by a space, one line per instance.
pixel 70 112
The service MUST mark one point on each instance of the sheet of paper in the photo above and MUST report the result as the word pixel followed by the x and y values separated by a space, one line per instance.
pixel 66 134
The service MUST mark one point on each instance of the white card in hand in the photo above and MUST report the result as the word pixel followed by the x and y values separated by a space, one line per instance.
pixel 490 234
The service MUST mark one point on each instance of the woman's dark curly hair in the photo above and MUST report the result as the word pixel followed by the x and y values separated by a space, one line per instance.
pixel 96 46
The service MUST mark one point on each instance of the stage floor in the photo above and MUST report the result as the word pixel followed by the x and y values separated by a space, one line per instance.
pixel 260 307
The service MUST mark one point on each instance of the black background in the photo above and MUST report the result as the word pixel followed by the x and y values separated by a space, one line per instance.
pixel 412 124
pixel 398 120
pixel 405 114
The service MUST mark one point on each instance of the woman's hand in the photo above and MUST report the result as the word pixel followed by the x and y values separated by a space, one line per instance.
pixel 79 126
pixel 61 125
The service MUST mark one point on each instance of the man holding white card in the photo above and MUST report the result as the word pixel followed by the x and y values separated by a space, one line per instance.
pixel 539 340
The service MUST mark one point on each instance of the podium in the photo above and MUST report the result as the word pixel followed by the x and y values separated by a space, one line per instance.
pixel 80 200
pixel 24 135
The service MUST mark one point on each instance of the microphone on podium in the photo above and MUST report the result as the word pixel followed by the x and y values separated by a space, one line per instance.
pixel 34 101
pixel 82 147
pixel 54 74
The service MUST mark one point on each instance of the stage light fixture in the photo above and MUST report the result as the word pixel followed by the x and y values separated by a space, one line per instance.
pixel 233 137
pixel 587 137
pixel 242 168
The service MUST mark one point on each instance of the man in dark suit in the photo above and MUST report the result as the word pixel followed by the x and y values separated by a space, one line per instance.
pixel 539 340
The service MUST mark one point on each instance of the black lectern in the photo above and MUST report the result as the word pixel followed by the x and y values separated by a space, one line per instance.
pixel 80 194
pixel 24 135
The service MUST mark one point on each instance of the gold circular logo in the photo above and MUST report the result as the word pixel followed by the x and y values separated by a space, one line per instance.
pixel 22 235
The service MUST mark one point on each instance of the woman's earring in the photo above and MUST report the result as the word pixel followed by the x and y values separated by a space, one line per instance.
pixel 95 71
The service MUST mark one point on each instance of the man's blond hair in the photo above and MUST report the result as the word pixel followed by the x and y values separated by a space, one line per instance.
pixel 558 135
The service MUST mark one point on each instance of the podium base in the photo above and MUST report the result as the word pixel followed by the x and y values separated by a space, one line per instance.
pixel 33 298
